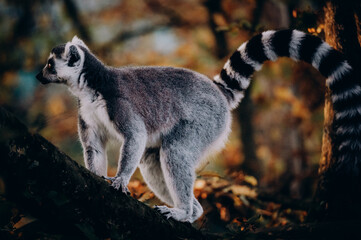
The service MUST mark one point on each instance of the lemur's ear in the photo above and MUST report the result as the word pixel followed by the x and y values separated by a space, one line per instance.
pixel 78 41
pixel 73 55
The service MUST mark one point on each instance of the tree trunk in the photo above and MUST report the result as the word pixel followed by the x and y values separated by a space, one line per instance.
pixel 338 189
pixel 52 187
pixel 213 7
pixel 74 15
pixel 251 164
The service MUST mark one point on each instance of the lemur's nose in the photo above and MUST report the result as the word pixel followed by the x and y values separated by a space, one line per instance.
pixel 41 78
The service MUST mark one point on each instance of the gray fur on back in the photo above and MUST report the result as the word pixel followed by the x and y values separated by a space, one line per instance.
pixel 162 96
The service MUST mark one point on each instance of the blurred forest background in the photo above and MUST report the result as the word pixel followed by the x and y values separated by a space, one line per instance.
pixel 275 145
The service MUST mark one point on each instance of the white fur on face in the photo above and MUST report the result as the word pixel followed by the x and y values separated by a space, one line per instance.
pixel 50 56
pixel 69 73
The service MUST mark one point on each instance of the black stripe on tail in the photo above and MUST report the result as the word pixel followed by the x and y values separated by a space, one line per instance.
pixel 345 89
pixel 281 42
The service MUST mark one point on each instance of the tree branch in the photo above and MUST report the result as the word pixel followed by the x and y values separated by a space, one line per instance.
pixel 51 186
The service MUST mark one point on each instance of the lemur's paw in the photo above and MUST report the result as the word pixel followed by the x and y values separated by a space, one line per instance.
pixel 164 210
pixel 175 213
pixel 108 178
pixel 119 183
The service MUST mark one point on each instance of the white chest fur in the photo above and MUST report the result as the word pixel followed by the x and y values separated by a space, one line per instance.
pixel 94 112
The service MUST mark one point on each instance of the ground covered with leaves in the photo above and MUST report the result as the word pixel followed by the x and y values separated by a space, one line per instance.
pixel 234 204
pixel 230 205
pixel 234 208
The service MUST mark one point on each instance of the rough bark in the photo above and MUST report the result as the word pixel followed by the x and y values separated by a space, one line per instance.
pixel 54 188
pixel 340 191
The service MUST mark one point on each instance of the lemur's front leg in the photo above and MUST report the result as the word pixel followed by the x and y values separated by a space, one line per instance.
pixel 132 150
pixel 93 141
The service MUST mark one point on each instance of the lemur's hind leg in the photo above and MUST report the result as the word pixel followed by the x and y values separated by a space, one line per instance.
pixel 180 151
pixel 153 175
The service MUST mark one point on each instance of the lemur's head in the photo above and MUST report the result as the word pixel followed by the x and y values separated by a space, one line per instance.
pixel 64 64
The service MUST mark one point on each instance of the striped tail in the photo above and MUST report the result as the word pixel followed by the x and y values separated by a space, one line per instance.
pixel 345 91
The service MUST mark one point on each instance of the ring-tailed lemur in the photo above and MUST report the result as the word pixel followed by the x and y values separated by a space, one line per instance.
pixel 171 118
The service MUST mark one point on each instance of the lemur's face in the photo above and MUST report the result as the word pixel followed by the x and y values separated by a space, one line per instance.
pixel 64 64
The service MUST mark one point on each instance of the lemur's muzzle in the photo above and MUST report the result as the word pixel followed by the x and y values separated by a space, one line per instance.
pixel 41 78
